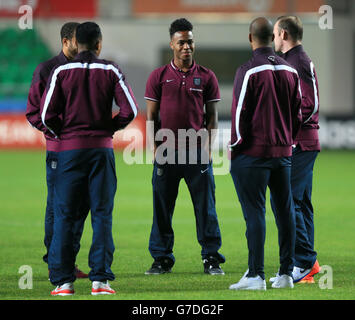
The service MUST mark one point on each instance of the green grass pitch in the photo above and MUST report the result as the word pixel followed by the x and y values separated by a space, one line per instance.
pixel 22 206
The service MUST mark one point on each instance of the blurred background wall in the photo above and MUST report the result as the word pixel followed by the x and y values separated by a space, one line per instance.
pixel 135 35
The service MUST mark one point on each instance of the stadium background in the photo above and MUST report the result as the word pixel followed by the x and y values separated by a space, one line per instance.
pixel 135 35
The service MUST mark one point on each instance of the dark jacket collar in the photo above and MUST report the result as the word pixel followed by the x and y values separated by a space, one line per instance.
pixel 62 58
pixel 263 51
pixel 85 55
pixel 294 51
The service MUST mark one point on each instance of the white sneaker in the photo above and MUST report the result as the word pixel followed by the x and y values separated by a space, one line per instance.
pixel 283 281
pixel 298 273
pixel 66 289
pixel 249 283
pixel 273 279
pixel 99 287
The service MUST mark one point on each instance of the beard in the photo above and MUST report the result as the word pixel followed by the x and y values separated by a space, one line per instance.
pixel 73 50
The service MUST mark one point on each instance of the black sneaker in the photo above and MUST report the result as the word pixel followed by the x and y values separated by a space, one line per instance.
pixel 211 266
pixel 158 268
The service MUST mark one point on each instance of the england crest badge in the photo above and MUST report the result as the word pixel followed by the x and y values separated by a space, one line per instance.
pixel 197 81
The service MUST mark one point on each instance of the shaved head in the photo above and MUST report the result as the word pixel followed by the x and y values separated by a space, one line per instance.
pixel 261 31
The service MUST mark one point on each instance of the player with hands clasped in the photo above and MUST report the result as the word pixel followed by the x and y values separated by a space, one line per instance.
pixel 182 97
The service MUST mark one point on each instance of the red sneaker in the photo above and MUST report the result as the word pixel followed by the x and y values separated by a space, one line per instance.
pixel 66 289
pixel 315 269
pixel 309 277
pixel 79 274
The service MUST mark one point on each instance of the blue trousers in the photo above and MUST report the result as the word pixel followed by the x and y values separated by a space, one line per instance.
pixel 51 169
pixel 200 182
pixel 301 184
pixel 83 173
pixel 251 177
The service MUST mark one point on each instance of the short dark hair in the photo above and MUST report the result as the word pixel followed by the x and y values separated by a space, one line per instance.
pixel 261 29
pixel 180 25
pixel 68 30
pixel 293 26
pixel 88 34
